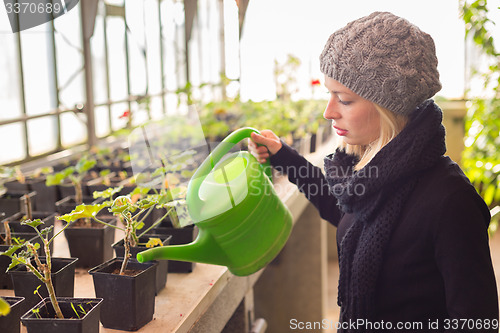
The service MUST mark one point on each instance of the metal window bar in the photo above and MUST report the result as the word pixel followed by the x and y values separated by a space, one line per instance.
pixel 55 87
pixel 22 93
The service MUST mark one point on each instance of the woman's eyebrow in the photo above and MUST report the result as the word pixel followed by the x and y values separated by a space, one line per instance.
pixel 340 92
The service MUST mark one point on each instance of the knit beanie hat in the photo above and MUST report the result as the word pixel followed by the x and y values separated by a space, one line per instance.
pixel 384 59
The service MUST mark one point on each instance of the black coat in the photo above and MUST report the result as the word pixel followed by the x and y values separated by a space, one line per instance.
pixel 437 265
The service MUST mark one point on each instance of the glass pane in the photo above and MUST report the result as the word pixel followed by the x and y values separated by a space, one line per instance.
pixel 37 70
pixel 153 42
pixel 156 107
pixel 203 33
pixel 172 14
pixel 117 65
pixel 101 121
pixel 231 38
pixel 12 143
pixel 42 135
pixel 140 113
pixel 212 43
pixel 114 2
pixel 73 130
pixel 69 58
pixel 194 57
pixel 10 96
pixel 171 101
pixel 136 46
pixel 99 61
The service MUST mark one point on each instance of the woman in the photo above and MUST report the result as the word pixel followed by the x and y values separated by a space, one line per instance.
pixel 412 230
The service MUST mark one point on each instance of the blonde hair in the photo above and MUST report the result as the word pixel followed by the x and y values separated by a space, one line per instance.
pixel 390 126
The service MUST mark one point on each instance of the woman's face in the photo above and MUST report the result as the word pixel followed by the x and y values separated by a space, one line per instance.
pixel 354 118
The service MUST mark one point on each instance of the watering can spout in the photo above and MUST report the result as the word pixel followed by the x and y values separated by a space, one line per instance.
pixel 203 249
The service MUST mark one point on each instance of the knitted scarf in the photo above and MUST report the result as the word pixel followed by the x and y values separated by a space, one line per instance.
pixel 375 196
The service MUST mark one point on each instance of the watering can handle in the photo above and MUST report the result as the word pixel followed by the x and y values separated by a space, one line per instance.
pixel 222 149
pixel 239 135
pixel 216 155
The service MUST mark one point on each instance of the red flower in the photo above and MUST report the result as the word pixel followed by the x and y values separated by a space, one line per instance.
pixel 315 82
pixel 125 114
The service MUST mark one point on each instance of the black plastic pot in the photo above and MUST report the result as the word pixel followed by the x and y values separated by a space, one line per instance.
pixel 5 280
pixel 11 322
pixel 11 202
pixel 17 186
pixel 179 236
pixel 88 323
pixel 92 246
pixel 46 196
pixel 63 279
pixel 161 269
pixel 129 301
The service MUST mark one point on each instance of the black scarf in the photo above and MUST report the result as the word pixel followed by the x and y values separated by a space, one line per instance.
pixel 375 196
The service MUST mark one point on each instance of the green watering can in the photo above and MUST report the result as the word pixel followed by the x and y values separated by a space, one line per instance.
pixel 241 220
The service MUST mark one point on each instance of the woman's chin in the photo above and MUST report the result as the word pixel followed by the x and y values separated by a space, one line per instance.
pixel 353 141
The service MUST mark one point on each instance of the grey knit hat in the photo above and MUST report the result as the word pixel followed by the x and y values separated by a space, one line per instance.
pixel 384 59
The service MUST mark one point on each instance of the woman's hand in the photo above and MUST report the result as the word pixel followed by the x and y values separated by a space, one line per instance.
pixel 264 145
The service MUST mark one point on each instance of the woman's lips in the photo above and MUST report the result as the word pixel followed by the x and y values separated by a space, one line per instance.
pixel 340 131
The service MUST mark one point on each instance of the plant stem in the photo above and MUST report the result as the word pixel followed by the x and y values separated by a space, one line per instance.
pixel 8 235
pixel 108 224
pixel 78 191
pixel 126 242
pixel 47 277
pixel 27 203
pixel 52 293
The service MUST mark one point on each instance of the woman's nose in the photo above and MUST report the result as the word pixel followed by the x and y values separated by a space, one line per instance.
pixel 330 112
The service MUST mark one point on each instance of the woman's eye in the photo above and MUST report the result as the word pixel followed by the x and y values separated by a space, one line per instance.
pixel 344 102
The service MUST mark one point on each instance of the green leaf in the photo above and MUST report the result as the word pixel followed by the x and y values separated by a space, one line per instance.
pixel 59 177
pixel 83 211
pixel 4 307
pixel 46 231
pixel 140 190
pixel 15 262
pixel 84 165
pixel 108 193
pixel 146 203
pixel 11 250
pixel 33 223
pixel 104 173
pixel 121 204
pixel 153 241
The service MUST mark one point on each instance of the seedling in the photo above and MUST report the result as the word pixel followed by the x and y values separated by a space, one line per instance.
pixel 75 174
pixel 132 214
pixel 26 254
pixel 82 310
